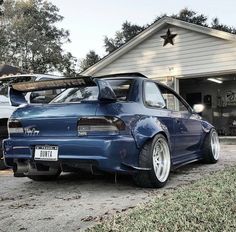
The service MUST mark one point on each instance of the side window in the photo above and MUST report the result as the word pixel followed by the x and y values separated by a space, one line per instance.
pixel 172 102
pixel 153 96
pixel 42 96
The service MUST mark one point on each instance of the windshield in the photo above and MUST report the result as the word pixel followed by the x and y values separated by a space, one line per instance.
pixel 121 89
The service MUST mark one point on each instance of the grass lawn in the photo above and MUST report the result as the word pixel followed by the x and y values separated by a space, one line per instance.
pixel 206 205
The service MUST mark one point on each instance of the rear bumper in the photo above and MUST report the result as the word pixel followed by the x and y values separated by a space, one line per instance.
pixel 113 153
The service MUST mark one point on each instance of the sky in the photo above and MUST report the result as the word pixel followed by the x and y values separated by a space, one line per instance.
pixel 89 21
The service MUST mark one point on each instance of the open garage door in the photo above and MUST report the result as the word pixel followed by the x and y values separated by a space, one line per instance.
pixel 218 94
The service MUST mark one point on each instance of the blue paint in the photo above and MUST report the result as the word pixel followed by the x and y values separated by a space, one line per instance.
pixel 57 124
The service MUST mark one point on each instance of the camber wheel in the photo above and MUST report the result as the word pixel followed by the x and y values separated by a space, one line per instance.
pixel 155 155
pixel 211 147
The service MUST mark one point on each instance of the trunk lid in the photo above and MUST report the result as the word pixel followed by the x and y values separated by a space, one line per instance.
pixel 56 120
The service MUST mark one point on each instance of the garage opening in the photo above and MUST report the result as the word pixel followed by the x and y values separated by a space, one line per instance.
pixel 218 94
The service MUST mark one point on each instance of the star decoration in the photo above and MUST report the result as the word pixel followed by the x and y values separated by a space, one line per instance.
pixel 168 38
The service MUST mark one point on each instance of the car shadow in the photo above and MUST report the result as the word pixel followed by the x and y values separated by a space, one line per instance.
pixel 84 180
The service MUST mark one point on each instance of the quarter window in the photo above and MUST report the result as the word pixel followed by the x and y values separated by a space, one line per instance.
pixel 172 101
pixel 153 96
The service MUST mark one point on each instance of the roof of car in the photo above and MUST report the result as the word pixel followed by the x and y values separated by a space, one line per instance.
pixel 8 77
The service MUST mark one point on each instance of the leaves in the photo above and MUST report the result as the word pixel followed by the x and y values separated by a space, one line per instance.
pixel 129 30
pixel 191 17
pixel 31 40
pixel 1 11
pixel 217 25
pixel 90 59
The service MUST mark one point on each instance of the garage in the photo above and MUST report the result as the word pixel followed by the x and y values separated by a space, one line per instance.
pixel 198 62
pixel 218 94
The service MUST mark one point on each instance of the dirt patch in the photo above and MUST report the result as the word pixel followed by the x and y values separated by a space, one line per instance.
pixel 75 202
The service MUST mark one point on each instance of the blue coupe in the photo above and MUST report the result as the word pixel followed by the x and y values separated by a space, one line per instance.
pixel 119 123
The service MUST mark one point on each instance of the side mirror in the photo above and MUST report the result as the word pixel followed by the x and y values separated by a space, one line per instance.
pixel 198 108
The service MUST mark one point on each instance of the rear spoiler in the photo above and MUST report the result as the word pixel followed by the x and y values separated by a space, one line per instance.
pixel 17 90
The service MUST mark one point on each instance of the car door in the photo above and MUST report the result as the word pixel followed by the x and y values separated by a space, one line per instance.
pixel 187 126
pixel 156 107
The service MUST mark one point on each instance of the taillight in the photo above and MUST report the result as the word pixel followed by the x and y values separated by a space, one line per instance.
pixel 14 126
pixel 96 125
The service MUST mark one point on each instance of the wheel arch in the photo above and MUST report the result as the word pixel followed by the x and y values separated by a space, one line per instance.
pixel 206 127
pixel 146 128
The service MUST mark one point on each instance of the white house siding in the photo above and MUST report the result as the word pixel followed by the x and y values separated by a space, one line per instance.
pixel 193 53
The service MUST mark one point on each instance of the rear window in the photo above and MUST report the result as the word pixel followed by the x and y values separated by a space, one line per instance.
pixel 90 93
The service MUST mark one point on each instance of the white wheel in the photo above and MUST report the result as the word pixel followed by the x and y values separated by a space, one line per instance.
pixel 215 145
pixel 161 159
pixel 156 156
pixel 211 147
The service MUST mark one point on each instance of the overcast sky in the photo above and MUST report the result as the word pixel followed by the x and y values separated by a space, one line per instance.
pixel 90 20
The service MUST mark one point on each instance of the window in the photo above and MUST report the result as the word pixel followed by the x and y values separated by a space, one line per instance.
pixel 43 96
pixel 172 101
pixel 121 89
pixel 77 94
pixel 153 96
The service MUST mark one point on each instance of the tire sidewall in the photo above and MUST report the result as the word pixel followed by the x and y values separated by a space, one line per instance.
pixel 152 173
pixel 207 150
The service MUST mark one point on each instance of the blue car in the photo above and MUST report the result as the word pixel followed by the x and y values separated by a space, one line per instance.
pixel 123 123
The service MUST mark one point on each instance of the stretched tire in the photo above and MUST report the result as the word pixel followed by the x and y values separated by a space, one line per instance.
pixel 211 147
pixel 45 177
pixel 155 155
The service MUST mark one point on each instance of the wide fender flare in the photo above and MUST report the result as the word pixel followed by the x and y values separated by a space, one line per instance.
pixel 146 128
pixel 206 127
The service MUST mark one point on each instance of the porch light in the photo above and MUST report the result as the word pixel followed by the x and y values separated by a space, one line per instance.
pixel 215 80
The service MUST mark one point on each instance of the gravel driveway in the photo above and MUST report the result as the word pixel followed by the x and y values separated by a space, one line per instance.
pixel 75 202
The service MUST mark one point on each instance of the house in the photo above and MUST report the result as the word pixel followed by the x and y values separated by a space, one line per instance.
pixel 198 62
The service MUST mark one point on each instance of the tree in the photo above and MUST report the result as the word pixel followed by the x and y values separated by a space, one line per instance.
pixel 217 25
pixel 127 32
pixel 90 59
pixel 30 38
pixel 1 11
pixel 191 17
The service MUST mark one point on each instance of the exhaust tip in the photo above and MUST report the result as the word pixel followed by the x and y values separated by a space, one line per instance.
pixel 16 171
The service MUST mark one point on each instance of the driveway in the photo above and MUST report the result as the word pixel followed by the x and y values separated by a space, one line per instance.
pixel 76 202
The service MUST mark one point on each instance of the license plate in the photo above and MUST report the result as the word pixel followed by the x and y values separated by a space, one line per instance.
pixel 48 153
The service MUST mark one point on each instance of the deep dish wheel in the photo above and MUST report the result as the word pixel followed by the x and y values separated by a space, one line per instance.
pixel 155 154
pixel 211 147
